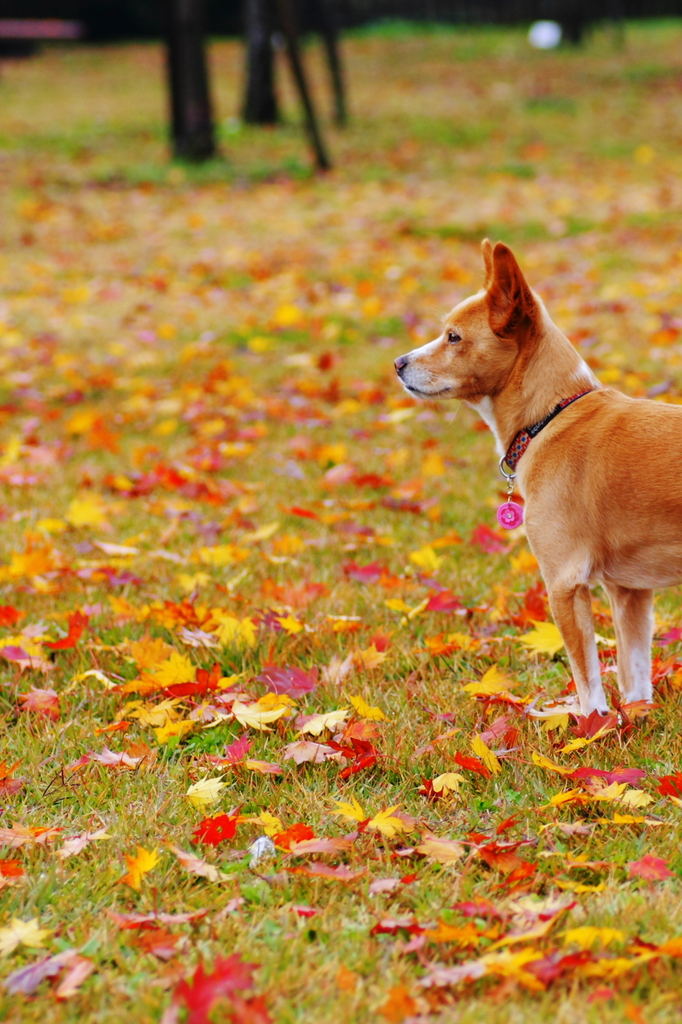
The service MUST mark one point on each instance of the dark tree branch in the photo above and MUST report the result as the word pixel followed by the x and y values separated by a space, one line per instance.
pixel 330 37
pixel 287 17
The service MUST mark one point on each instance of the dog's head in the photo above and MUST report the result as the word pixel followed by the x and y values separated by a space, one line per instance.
pixel 481 339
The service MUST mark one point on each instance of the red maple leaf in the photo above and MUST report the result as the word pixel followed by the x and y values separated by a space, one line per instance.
pixel 427 790
pixel 205 682
pixel 9 616
pixel 296 834
pixel 673 636
pixel 534 606
pixel 365 573
pixel 670 785
pixel 629 775
pixel 588 726
pixel 650 868
pixel 519 876
pixel 472 764
pixel 289 679
pixel 158 941
pixel 249 1011
pixel 488 540
pixel 199 994
pixel 77 623
pixel 304 513
pixel 237 750
pixel 508 823
pixel 477 908
pixel 215 830
pixel 502 856
pixel 445 601
pixel 11 868
pixel 43 702
pixel 554 965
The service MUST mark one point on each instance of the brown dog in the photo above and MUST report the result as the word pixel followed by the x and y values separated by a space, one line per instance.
pixel 601 481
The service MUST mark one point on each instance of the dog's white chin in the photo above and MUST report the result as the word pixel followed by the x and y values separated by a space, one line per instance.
pixel 418 393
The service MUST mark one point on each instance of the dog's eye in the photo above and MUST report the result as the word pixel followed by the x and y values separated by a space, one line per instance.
pixel 453 337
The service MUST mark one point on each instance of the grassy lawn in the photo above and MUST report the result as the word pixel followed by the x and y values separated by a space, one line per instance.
pixel 214 493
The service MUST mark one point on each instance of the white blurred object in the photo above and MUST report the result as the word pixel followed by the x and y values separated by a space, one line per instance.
pixel 544 35
pixel 260 849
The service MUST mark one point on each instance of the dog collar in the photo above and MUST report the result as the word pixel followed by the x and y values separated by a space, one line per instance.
pixel 525 436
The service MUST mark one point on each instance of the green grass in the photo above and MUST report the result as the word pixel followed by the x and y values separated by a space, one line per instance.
pixel 135 297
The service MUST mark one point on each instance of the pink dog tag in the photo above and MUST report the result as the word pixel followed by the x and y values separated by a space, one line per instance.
pixel 510 515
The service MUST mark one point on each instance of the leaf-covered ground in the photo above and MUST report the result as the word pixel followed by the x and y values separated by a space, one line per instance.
pixel 266 660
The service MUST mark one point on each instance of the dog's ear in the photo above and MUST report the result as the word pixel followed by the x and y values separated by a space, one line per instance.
pixel 487 253
pixel 510 300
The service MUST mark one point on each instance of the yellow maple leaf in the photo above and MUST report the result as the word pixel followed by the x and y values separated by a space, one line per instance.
pixel 555 722
pixel 388 824
pixel 291 625
pixel 32 562
pixel 270 822
pixel 570 796
pixel 171 729
pixel 544 762
pixel 433 465
pixel 614 791
pixel 256 716
pixel 486 755
pixel 318 723
pixel 524 563
pixel 576 744
pixel 426 558
pixel 262 533
pixel 369 658
pixel 351 812
pixel 365 710
pixel 274 700
pixel 222 555
pixel 544 639
pixel 205 792
pixel 51 525
pixel 154 715
pixel 87 510
pixel 176 669
pixel 448 782
pixel 443 851
pixel 396 604
pixel 287 315
pixel 493 681
pixel 139 866
pixel 234 632
pixel 22 933
pixel 636 798
pixel 192 581
pixel 150 651
pixel 586 936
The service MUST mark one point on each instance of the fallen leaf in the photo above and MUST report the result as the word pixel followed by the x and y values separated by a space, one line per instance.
pixel 139 866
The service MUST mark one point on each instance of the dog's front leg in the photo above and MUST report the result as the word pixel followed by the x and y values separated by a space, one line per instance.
pixel 633 618
pixel 572 610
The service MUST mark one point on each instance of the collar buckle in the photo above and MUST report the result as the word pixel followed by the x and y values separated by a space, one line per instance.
pixel 509 477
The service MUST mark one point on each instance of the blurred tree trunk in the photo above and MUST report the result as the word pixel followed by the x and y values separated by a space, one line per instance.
pixel 330 35
pixel 191 114
pixel 574 21
pixel 260 101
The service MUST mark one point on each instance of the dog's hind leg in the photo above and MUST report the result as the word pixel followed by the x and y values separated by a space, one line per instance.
pixel 572 610
pixel 633 617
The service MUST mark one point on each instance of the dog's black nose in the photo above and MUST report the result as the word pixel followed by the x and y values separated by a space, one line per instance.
pixel 400 364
